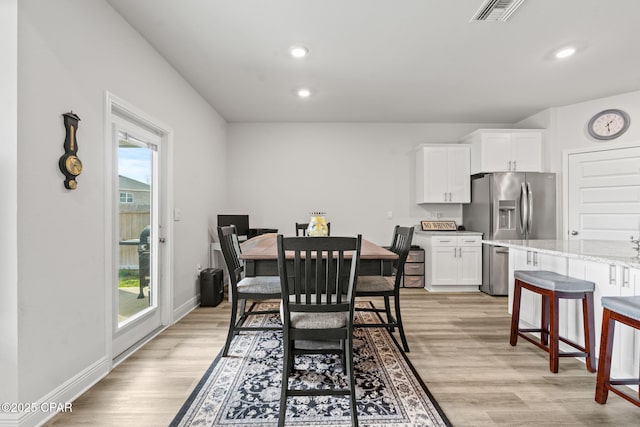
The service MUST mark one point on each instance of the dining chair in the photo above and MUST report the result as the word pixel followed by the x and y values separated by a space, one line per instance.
pixel 388 287
pixel 244 288
pixel 318 282
pixel 301 229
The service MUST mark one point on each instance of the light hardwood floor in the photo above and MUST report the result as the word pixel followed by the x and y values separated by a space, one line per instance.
pixel 459 345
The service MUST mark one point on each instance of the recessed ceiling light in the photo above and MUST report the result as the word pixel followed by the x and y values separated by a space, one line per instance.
pixel 304 92
pixel 565 52
pixel 298 51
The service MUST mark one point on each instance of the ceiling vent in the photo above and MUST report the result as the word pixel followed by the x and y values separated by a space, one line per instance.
pixel 497 10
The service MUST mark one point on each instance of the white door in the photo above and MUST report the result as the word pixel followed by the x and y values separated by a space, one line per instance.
pixel 445 265
pixel 603 194
pixel 496 152
pixel 458 172
pixel 526 151
pixel 470 265
pixel 137 296
pixel 435 165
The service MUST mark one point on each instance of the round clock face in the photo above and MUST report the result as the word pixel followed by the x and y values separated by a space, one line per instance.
pixel 608 124
pixel 73 165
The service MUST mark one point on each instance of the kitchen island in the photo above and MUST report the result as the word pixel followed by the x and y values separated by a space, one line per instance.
pixel 613 266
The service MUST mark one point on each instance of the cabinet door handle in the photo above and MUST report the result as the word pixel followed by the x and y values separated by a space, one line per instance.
pixel 535 258
pixel 460 252
pixel 625 277
pixel 445 196
pixel 455 252
pixel 612 274
pixel 528 257
pixel 514 165
pixel 509 165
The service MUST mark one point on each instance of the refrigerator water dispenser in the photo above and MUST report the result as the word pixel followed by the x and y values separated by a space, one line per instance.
pixel 506 214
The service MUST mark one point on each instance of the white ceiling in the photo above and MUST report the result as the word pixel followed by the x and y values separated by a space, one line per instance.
pixel 392 60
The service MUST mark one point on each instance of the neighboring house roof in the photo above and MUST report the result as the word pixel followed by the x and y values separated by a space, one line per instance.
pixel 126 183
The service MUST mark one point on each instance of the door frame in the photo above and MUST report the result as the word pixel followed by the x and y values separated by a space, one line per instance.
pixel 565 174
pixel 166 202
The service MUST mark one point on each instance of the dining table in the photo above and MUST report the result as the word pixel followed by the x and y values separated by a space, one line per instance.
pixel 260 256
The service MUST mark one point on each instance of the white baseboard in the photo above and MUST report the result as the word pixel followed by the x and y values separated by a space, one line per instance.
pixel 8 420
pixel 186 308
pixel 66 393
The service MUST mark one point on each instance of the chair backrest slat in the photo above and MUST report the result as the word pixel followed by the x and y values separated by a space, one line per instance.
pixel 228 237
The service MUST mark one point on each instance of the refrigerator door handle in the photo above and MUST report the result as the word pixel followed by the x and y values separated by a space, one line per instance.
pixel 530 212
pixel 524 209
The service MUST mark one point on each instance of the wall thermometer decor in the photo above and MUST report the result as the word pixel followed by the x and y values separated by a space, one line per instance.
pixel 69 163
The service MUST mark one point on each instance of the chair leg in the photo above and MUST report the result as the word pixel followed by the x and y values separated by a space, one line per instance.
pixel 589 333
pixel 352 383
pixel 243 306
pixel 515 313
pixel 387 307
pixel 554 344
pixel 232 326
pixel 544 321
pixel 285 378
pixel 604 362
pixel 399 322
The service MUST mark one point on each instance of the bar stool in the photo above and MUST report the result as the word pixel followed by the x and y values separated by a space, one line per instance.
pixel 553 286
pixel 615 309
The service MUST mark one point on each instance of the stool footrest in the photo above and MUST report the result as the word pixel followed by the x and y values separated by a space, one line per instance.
pixel 627 381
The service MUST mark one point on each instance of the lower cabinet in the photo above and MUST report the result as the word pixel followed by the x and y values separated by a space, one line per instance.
pixel 453 263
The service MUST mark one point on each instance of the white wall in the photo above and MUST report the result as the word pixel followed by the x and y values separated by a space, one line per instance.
pixel 9 191
pixel 567 129
pixel 356 172
pixel 70 52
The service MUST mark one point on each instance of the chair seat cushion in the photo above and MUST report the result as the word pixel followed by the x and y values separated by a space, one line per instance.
pixel 315 320
pixel 260 285
pixel 375 284
pixel 627 306
pixel 554 281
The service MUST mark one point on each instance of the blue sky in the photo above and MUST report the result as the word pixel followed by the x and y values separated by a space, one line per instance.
pixel 135 163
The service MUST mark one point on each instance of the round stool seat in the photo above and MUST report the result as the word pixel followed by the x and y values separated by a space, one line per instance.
pixel 627 306
pixel 554 281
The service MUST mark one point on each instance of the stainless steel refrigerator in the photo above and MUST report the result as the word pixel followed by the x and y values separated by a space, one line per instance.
pixel 509 206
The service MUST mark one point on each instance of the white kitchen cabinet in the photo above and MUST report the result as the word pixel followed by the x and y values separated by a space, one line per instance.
pixel 505 150
pixel 453 263
pixel 442 174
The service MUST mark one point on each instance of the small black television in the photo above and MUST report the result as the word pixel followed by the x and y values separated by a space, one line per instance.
pixel 240 221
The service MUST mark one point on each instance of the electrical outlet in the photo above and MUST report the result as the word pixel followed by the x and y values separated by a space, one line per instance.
pixel 389 214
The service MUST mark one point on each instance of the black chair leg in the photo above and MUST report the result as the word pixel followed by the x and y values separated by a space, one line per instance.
pixel 286 367
pixel 352 383
pixel 387 307
pixel 232 326
pixel 399 321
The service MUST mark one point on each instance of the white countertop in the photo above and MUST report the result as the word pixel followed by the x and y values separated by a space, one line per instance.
pixel 607 251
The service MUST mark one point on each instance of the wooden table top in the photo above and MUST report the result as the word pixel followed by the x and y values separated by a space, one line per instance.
pixel 265 247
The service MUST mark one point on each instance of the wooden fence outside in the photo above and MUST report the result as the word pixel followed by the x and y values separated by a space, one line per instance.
pixel 131 225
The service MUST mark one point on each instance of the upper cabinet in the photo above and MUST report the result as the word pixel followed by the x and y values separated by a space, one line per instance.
pixel 505 150
pixel 442 174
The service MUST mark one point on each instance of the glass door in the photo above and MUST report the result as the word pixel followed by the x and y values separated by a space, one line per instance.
pixel 137 233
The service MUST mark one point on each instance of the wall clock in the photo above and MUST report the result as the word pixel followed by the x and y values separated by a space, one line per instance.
pixel 608 124
pixel 69 163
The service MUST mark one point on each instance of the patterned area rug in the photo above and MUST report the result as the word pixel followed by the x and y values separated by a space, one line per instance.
pixel 244 388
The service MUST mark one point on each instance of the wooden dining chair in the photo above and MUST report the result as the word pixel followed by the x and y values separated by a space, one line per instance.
pixel 317 305
pixel 301 229
pixel 244 288
pixel 388 287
